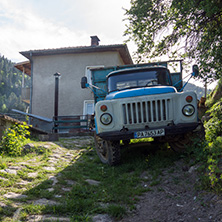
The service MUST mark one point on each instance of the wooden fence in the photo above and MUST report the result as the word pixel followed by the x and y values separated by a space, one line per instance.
pixel 71 124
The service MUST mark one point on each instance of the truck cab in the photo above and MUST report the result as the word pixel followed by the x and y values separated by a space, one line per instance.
pixel 142 102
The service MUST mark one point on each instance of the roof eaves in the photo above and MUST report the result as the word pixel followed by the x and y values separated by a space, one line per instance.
pixel 24 67
pixel 122 49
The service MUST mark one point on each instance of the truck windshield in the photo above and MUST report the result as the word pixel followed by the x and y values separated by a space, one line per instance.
pixel 138 78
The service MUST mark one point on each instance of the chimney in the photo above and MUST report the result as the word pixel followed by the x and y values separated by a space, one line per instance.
pixel 94 40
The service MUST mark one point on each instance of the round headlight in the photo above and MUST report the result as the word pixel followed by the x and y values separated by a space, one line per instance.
pixel 106 119
pixel 188 110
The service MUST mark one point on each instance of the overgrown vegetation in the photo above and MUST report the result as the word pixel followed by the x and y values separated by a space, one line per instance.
pixel 214 146
pixel 13 139
pixel 209 153
pixel 214 124
pixel 10 87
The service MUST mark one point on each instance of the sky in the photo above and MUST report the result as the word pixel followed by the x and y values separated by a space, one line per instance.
pixel 42 24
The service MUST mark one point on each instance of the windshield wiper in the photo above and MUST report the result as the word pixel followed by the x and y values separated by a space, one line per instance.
pixel 131 87
pixel 153 81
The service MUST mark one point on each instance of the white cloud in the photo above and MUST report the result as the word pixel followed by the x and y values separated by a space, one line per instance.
pixel 24 30
pixel 27 25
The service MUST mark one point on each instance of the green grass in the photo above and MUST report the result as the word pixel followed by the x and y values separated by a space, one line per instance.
pixel 115 195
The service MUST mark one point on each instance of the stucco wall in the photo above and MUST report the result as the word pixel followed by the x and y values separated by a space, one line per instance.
pixel 72 68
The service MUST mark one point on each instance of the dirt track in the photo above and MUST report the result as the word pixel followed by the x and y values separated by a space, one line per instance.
pixel 176 198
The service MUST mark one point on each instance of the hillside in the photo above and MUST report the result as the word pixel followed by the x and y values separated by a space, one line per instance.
pixel 10 87
pixel 215 95
pixel 200 91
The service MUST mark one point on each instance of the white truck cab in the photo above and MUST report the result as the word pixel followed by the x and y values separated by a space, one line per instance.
pixel 140 102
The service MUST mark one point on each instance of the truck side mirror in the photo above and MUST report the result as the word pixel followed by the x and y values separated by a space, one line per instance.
pixel 83 82
pixel 195 71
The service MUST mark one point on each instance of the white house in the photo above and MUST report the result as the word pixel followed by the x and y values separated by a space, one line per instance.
pixel 72 64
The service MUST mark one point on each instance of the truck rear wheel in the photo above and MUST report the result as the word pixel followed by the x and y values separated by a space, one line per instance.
pixel 108 151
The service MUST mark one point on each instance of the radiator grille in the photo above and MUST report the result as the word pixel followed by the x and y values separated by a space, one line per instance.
pixel 146 111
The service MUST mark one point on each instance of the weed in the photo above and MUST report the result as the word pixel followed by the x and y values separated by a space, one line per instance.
pixel 84 218
pixel 116 211
pixel 3 163
pixel 33 209
pixel 6 211
pixel 13 139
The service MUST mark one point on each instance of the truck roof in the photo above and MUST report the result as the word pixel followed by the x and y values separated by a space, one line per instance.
pixel 133 69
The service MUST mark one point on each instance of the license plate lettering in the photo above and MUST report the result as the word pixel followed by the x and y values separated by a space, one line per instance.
pixel 149 133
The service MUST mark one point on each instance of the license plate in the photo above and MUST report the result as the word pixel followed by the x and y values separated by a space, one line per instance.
pixel 149 133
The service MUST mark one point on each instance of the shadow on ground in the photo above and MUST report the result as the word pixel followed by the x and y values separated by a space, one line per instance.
pixel 71 184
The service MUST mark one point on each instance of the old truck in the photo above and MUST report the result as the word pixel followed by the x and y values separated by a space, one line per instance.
pixel 141 101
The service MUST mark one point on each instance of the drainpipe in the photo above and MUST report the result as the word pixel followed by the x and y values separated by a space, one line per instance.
pixel 56 102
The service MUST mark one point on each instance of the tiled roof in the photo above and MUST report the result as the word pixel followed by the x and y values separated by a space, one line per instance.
pixel 121 48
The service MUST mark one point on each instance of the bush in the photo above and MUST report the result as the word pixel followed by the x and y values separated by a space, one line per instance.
pixel 214 125
pixel 214 146
pixel 214 162
pixel 13 139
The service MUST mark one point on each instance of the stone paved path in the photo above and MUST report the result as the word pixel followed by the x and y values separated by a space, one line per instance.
pixel 60 157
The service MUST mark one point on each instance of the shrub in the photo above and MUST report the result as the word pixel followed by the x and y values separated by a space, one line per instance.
pixel 13 139
pixel 214 162
pixel 214 125
pixel 211 154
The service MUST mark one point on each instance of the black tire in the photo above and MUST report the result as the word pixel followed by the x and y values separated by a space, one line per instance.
pixel 181 143
pixel 108 151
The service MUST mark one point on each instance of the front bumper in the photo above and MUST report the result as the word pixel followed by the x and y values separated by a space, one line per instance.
pixel 169 131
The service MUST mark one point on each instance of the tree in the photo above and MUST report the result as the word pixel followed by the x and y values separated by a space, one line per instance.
pixel 10 87
pixel 186 29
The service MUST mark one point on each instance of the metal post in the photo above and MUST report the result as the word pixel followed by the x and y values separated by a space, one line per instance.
pixel 56 102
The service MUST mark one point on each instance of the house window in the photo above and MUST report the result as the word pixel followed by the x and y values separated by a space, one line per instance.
pixel 88 107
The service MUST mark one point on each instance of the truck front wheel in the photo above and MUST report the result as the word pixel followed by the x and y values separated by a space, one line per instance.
pixel 181 143
pixel 108 151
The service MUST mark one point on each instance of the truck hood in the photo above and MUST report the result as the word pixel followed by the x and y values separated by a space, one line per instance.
pixel 140 92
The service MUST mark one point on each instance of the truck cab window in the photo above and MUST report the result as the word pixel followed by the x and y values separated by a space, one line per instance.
pixel 138 78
